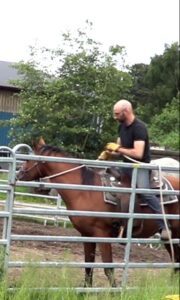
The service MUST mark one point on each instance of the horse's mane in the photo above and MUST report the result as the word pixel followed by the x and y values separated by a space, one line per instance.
pixel 54 149
pixel 87 174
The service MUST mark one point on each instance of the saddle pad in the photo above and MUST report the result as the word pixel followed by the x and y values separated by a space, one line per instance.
pixel 167 199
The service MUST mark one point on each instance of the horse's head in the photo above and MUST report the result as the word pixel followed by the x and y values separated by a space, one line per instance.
pixel 30 169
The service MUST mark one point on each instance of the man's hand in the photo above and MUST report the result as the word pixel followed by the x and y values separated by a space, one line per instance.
pixel 112 147
pixel 104 155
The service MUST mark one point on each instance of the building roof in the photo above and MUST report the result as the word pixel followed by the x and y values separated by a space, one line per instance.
pixel 7 73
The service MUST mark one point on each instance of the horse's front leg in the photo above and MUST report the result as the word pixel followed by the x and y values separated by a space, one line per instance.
pixel 89 252
pixel 106 253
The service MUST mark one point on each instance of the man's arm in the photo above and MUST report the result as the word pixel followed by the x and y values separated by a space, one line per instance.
pixel 136 152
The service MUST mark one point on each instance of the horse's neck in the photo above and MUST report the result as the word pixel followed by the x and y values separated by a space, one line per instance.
pixel 61 172
pixel 66 174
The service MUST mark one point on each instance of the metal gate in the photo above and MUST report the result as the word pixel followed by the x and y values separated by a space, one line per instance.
pixel 7 237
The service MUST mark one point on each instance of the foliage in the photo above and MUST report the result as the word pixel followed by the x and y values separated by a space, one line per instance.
pixel 73 106
pixel 139 89
pixel 70 103
pixel 155 94
pixel 156 84
pixel 165 127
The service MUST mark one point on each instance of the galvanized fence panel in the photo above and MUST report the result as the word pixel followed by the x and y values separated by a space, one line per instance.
pixel 9 211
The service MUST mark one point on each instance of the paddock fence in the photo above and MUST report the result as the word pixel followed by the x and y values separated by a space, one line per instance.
pixel 10 210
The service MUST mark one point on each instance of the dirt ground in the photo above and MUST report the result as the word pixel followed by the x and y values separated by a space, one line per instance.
pixel 54 251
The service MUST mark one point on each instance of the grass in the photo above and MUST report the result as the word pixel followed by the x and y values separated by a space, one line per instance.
pixel 152 285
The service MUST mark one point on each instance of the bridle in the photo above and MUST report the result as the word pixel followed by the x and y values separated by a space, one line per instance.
pixel 36 165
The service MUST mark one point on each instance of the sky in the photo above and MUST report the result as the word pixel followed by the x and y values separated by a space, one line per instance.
pixel 142 26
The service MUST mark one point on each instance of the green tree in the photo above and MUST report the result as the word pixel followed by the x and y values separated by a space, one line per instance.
pixel 72 106
pixel 163 77
pixel 140 93
pixel 165 127
pixel 156 84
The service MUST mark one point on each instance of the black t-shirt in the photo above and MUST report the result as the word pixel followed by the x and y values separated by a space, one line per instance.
pixel 136 131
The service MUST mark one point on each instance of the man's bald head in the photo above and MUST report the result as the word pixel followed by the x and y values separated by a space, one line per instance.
pixel 123 104
pixel 123 111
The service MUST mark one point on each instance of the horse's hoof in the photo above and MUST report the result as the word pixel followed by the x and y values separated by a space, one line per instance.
pixel 87 285
pixel 114 285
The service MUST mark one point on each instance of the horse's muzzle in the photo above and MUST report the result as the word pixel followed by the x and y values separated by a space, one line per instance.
pixel 21 175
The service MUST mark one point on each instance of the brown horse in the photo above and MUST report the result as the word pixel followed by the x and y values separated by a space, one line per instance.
pixel 86 200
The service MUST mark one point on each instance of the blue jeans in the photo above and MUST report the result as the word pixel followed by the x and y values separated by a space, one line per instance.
pixel 143 182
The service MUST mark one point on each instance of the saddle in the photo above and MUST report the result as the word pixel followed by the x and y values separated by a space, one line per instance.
pixel 112 178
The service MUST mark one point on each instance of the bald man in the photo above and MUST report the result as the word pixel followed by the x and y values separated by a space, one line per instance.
pixel 133 134
pixel 134 142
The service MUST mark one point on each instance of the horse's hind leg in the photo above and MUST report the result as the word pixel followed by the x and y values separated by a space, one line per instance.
pixel 106 253
pixel 176 249
pixel 89 252
pixel 177 256
pixel 175 225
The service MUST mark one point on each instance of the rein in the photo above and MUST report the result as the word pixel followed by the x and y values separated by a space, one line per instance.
pixel 64 172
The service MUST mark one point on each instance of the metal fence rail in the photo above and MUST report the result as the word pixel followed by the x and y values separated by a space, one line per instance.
pixel 10 210
pixel 20 204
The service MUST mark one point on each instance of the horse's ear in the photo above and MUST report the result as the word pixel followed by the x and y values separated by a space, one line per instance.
pixel 38 144
pixel 41 141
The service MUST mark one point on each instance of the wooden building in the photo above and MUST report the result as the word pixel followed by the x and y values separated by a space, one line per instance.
pixel 9 100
